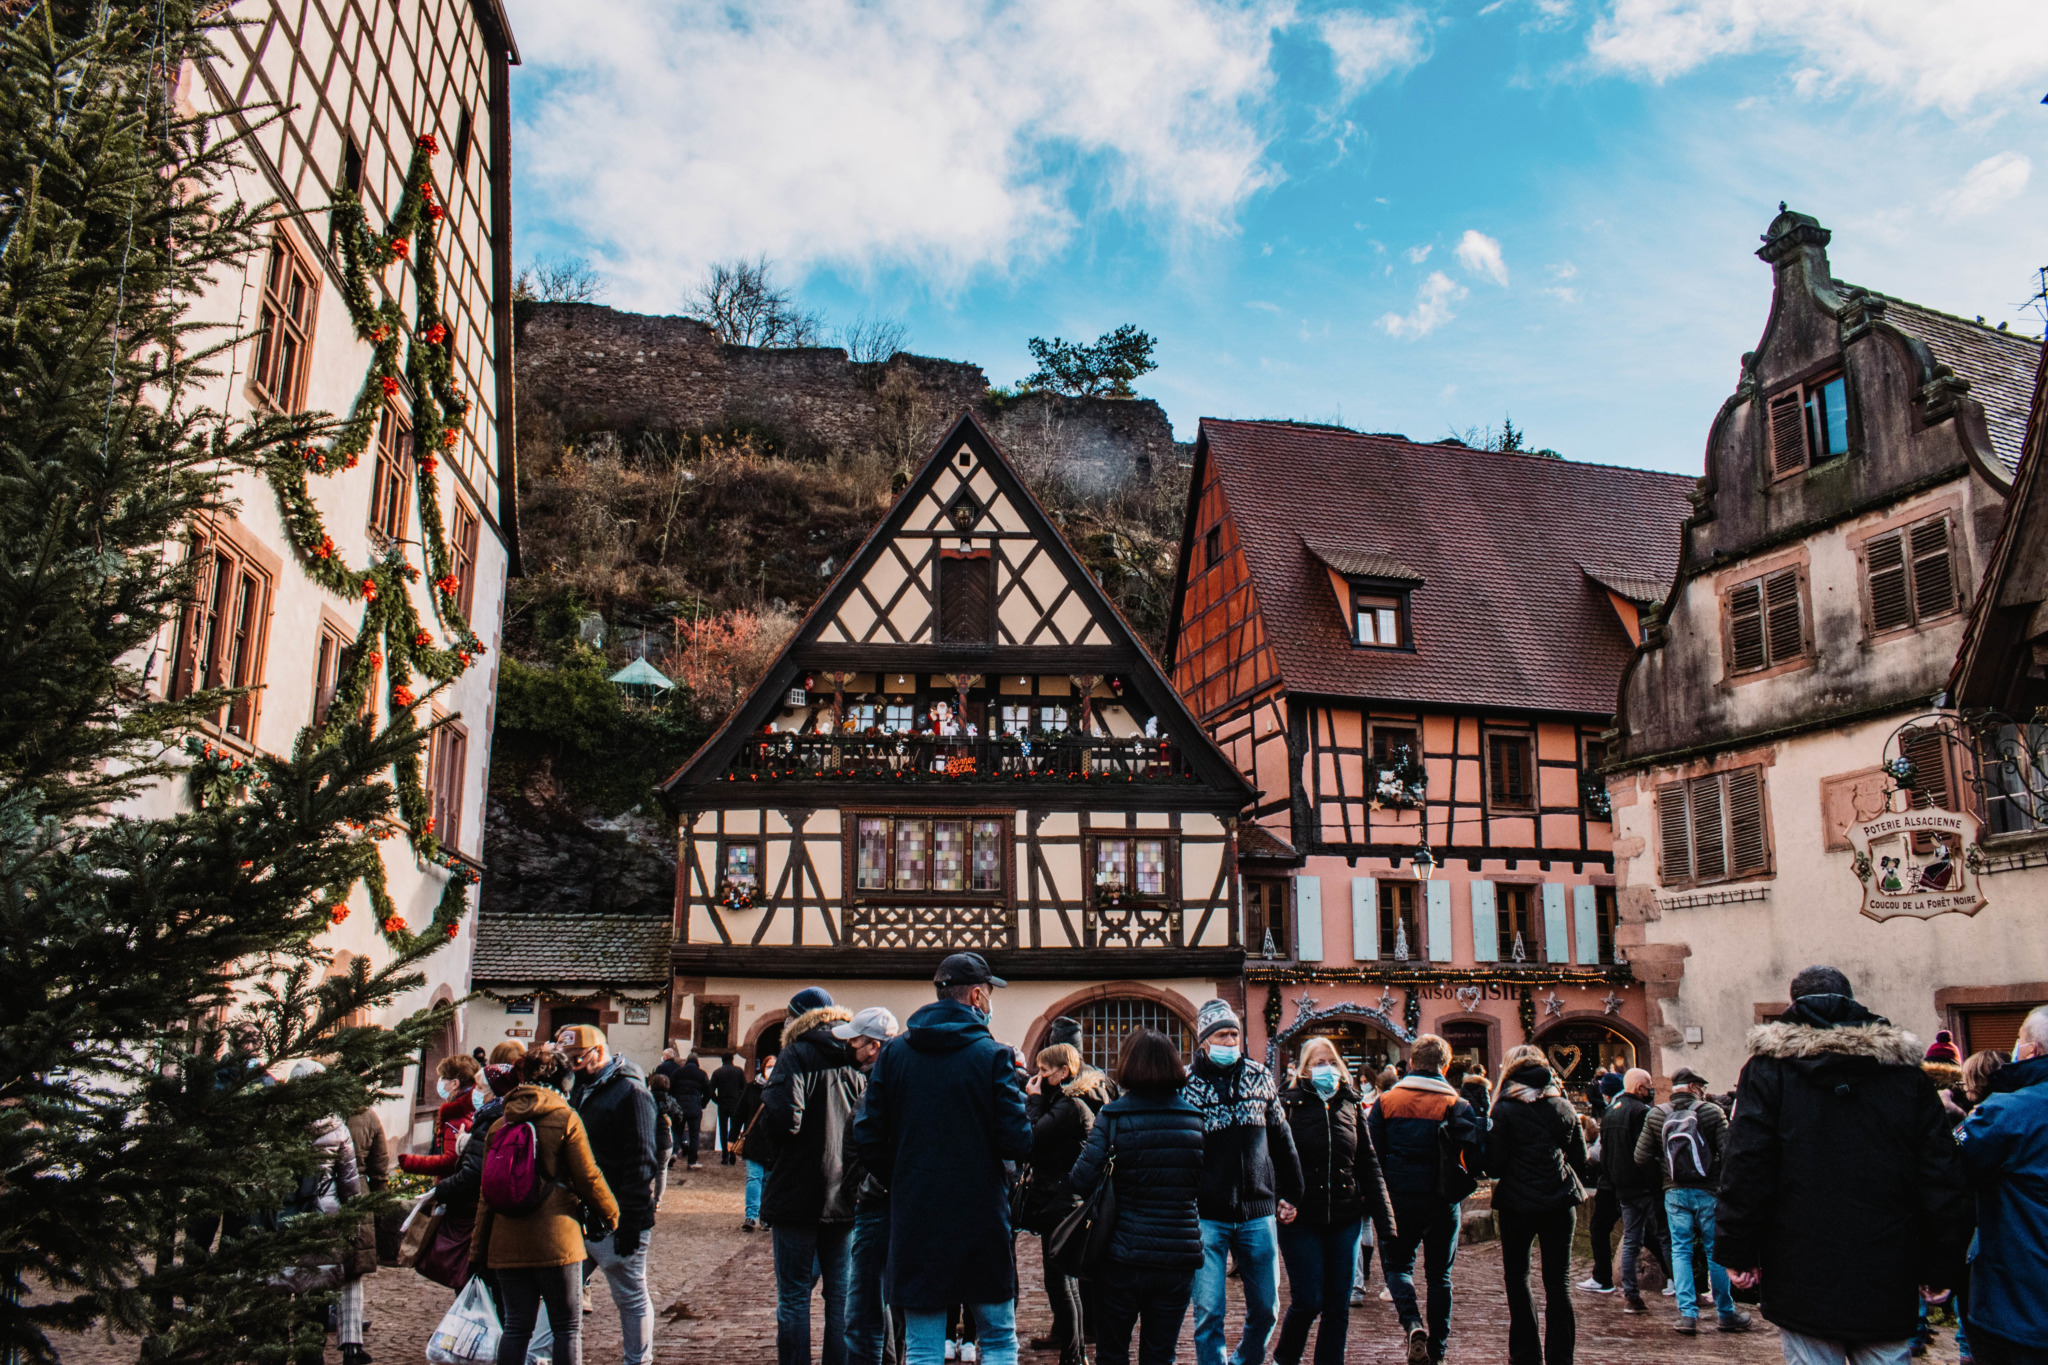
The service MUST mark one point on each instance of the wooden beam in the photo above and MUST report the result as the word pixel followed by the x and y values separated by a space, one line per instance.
pixel 907 964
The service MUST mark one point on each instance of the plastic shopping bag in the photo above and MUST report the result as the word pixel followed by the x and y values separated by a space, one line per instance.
pixel 469 1331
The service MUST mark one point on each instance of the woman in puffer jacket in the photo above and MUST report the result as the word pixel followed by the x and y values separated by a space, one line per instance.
pixel 1154 1137
pixel 1060 1102
pixel 1537 1153
pixel 1340 1188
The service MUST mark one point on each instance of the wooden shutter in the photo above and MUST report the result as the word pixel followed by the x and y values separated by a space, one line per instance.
pixel 1557 938
pixel 1934 589
pixel 1927 750
pixel 1748 849
pixel 1485 924
pixel 1781 610
pixel 1674 835
pixel 964 599
pixel 1993 1030
pixel 1308 909
pixel 1437 898
pixel 1586 925
pixel 1746 626
pixel 1709 834
pixel 1890 604
pixel 1788 434
pixel 1365 920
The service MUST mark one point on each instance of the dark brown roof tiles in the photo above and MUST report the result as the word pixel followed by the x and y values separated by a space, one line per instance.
pixel 582 950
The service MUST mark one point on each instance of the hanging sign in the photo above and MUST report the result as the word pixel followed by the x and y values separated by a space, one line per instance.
pixel 1914 863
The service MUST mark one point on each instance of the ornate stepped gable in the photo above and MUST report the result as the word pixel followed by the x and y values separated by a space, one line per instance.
pixel 963 746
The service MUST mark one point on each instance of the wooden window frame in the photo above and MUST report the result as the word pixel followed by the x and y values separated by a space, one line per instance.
pixel 1785 409
pixel 1911 558
pixel 890 894
pixel 277 380
pixel 754 841
pixel 987 636
pixel 1606 923
pixel 447 770
pixel 225 542
pixel 1168 898
pixel 1378 591
pixel 468 531
pixel 1589 767
pixel 1383 753
pixel 392 488
pixel 1390 890
pixel 1670 816
pixel 330 662
pixel 1504 927
pixel 1283 938
pixel 1765 579
pixel 1495 801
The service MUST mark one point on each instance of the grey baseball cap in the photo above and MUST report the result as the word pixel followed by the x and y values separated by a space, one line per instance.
pixel 873 1022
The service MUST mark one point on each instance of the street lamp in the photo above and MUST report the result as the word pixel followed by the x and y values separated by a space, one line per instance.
pixel 1425 863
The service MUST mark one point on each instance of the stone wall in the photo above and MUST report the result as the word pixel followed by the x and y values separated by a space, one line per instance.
pixel 598 369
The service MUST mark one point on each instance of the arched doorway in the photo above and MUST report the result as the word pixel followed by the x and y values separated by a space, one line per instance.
pixel 1308 1020
pixel 1365 1048
pixel 768 1041
pixel 1579 1049
pixel 1105 1024
pixel 1471 1042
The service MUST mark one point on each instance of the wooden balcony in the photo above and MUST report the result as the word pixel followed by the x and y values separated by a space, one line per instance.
pixel 908 760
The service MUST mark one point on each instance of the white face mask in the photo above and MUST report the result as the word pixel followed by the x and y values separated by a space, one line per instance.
pixel 480 1096
pixel 446 1088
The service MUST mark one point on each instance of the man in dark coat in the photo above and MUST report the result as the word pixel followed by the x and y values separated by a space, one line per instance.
pixel 617 1111
pixel 728 1083
pixel 1841 1184
pixel 2005 1151
pixel 1426 1133
pixel 944 1111
pixel 808 1202
pixel 1638 1189
pixel 692 1091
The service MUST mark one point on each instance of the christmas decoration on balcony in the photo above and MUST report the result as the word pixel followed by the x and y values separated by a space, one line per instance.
pixel 1401 782
pixel 735 895
pixel 1594 798
pixel 1273 1010
pixel 1411 1012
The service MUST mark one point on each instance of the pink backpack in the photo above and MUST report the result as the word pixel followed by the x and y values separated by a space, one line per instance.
pixel 513 1181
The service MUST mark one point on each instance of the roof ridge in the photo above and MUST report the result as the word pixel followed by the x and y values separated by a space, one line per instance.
pixel 2008 334
pixel 1547 460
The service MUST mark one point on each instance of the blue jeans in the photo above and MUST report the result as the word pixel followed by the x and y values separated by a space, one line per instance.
pixel 1429 1225
pixel 995 1330
pixel 1804 1350
pixel 1319 1262
pixel 1256 1243
pixel 1691 1215
pixel 626 1277
pixel 802 1256
pixel 867 1318
pixel 757 1176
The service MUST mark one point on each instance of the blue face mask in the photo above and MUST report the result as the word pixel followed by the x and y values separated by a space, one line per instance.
pixel 1223 1056
pixel 1324 1079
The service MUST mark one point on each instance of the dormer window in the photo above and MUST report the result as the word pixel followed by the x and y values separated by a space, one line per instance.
pixel 1809 424
pixel 1378 619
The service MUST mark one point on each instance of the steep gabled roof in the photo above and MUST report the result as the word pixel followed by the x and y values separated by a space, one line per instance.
pixel 1998 365
pixel 861 622
pixel 1506 615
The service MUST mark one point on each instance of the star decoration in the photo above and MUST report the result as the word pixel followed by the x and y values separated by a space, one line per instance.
pixel 1554 1006
pixel 1304 1005
pixel 1387 1003
pixel 1612 1004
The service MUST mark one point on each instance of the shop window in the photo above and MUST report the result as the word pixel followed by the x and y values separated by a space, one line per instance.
pixel 714 1027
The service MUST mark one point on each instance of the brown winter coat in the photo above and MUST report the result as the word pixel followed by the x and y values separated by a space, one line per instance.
pixel 373 1163
pixel 552 1234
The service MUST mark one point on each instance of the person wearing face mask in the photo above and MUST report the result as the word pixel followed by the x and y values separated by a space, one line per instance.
pixel 944 1111
pixel 1250 1176
pixel 455 1080
pixel 1061 1101
pixel 874 1331
pixel 1340 1188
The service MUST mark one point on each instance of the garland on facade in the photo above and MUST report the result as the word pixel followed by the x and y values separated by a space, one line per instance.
pixel 391 640
pixel 557 999
pixel 1617 974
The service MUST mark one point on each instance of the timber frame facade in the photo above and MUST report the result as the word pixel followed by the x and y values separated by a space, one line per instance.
pixel 964 746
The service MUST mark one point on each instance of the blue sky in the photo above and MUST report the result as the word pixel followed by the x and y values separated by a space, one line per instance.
pixel 1408 217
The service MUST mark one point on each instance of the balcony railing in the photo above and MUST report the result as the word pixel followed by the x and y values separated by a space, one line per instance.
pixel 940 759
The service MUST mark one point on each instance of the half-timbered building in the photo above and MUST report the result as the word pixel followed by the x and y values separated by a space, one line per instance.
pixel 1411 650
pixel 964 746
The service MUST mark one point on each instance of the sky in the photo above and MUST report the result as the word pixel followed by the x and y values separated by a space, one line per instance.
pixel 1417 217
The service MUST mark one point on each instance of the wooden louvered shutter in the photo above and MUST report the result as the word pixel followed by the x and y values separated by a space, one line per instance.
pixel 1709 834
pixel 1746 626
pixel 1781 610
pixel 1788 434
pixel 1674 835
pixel 1927 751
pixel 1890 604
pixel 1748 850
pixel 1934 589
pixel 964 600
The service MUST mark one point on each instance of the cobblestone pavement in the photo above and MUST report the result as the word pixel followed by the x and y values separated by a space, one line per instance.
pixel 714 1298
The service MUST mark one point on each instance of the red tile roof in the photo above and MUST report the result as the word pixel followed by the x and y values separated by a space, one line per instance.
pixel 1506 615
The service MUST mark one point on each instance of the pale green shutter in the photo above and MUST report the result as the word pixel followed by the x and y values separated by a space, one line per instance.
pixel 1585 919
pixel 1485 924
pixel 1557 946
pixel 1365 919
pixel 1308 917
pixel 1438 896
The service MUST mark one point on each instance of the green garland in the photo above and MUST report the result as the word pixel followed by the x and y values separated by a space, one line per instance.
pixel 391 634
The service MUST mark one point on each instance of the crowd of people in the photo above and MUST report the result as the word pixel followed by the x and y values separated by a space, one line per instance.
pixel 1852 1183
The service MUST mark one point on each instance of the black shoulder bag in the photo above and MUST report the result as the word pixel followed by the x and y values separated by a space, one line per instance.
pixel 1080 1244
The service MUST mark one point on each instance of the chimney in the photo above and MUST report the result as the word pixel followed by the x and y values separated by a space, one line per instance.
pixel 1797 240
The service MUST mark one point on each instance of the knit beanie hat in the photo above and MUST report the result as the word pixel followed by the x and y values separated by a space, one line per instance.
pixel 1063 1030
pixel 502 1079
pixel 1943 1049
pixel 808 999
pixel 1214 1015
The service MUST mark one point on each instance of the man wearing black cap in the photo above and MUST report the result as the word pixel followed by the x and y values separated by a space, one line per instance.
pixel 944 1111
pixel 1683 1141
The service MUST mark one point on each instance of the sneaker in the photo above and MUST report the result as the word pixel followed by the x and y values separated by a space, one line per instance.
pixel 1633 1304
pixel 1418 1346
pixel 1386 1294
pixel 969 1352
pixel 750 1226
pixel 952 1350
pixel 1688 1325
pixel 1592 1286
pixel 1738 1321
pixel 1358 1298
pixel 1668 1292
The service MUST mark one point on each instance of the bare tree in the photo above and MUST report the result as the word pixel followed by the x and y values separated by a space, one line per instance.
pixel 744 307
pixel 870 341
pixel 567 279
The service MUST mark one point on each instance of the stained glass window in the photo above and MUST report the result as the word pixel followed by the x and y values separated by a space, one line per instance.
pixel 874 855
pixel 949 855
pixel 988 855
pixel 911 854
pixel 743 866
pixel 1113 863
pixel 1151 861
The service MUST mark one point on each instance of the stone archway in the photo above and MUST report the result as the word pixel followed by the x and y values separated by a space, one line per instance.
pixel 1307 1016
pixel 1588 1039
pixel 1174 1002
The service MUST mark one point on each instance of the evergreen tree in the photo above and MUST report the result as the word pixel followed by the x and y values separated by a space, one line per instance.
pixel 1106 369
pixel 128 946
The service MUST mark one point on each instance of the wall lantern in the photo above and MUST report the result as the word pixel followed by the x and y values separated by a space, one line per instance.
pixel 1425 863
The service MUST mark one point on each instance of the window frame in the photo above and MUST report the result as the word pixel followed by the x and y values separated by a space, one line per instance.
pixel 1763 579
pixel 464 545
pixel 726 844
pixel 396 473
pixel 1496 802
pixel 941 625
pixel 447 770
pixel 1167 897
pixel 1212 546
pixel 1910 560
pixel 890 893
pixel 1504 925
pixel 330 661
pixel 1255 890
pixel 1606 923
pixel 1729 872
pixel 223 542
pixel 287 262
pixel 1801 395
pixel 1390 889
pixel 1379 591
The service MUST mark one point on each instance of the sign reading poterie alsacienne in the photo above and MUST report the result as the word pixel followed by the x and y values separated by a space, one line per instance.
pixel 1912 863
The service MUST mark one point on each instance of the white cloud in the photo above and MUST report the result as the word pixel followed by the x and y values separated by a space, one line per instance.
pixel 1989 183
pixel 1432 307
pixel 1368 48
pixel 1480 254
pixel 1932 53
pixel 1262 305
pixel 942 134
pixel 1418 254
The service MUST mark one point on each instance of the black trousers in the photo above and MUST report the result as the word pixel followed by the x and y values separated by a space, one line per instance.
pixel 728 1133
pixel 1553 1232
pixel 1065 1293
pixel 1153 1301
pixel 560 1287
pixel 688 1129
pixel 1606 1217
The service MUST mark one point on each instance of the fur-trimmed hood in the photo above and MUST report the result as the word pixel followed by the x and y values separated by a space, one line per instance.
pixel 1884 1044
pixel 1088 1083
pixel 810 1019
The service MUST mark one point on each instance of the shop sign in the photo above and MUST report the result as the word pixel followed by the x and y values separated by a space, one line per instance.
pixel 1916 863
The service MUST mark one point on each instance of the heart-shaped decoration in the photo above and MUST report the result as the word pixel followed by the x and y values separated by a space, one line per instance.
pixel 1565 1058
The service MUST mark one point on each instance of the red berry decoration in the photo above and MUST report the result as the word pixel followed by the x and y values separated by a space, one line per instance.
pixel 422 640
pixel 402 695
pixel 435 335
pixel 376 658
pixel 448 435
pixel 370 595
pixel 394 925
pixel 390 386
pixel 336 913
pixel 435 213
pixel 429 144
pixel 452 929
pixel 401 247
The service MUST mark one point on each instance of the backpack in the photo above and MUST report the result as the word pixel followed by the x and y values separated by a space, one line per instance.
pixel 1685 1151
pixel 513 1181
pixel 1454 1182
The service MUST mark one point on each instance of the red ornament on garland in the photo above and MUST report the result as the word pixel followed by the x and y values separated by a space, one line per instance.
pixel 422 640
pixel 394 925
pixel 325 549
pixel 376 658
pixel 452 929
pixel 336 913
pixel 401 247
pixel 370 595
pixel 435 213
pixel 435 335
pixel 429 144
pixel 428 464
pixel 448 436
pixel 401 695
pixel 390 386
